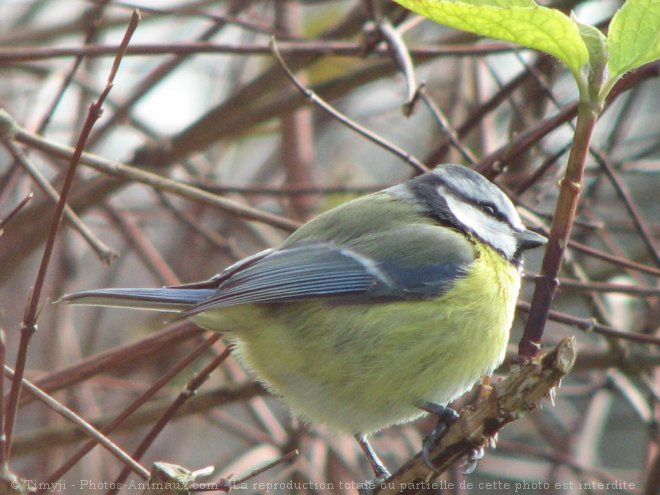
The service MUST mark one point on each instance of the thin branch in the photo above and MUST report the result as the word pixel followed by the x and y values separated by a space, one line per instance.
pixel 283 189
pixel 135 174
pixel 158 74
pixel 615 260
pixel 91 18
pixel 323 105
pixel 117 357
pixel 105 253
pixel 560 458
pixel 4 466
pixel 591 325
pixel 142 246
pixel 15 211
pixel 560 231
pixel 157 428
pixel 478 114
pixel 403 59
pixel 171 479
pixel 296 128
pixel 190 11
pixel 631 207
pixel 131 408
pixel 256 472
pixel 80 423
pixel 145 417
pixel 443 123
pixel 293 48
pixel 579 285
pixel 209 235
pixel 28 327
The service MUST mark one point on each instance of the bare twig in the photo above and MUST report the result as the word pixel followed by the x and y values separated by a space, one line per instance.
pixel 28 326
pixel 297 142
pixel 374 138
pixel 633 210
pixel 560 232
pixel 80 423
pixel 170 479
pixel 403 59
pixel 201 403
pixel 142 246
pixel 239 482
pixel 117 357
pixel 92 16
pixel 131 408
pixel 591 325
pixel 293 48
pixel 4 468
pixel 135 174
pixel 610 258
pixel 104 252
pixel 183 397
pixel 212 237
pixel 443 123
pixel 161 72
pixel 15 210
pixel 579 285
pixel 256 472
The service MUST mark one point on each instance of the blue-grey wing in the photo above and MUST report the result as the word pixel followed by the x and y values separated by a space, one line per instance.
pixel 294 274
pixel 323 270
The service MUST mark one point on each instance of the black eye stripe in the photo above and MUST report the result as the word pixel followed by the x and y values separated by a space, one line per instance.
pixel 430 190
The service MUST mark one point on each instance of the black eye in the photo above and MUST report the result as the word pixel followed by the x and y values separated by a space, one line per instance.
pixel 488 210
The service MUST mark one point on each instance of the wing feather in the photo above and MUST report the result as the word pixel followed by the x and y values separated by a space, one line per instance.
pixel 346 274
pixel 297 273
pixel 323 270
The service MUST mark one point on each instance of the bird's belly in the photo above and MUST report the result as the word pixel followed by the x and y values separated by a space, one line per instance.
pixel 359 368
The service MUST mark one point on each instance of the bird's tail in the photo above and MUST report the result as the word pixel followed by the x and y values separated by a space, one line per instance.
pixel 166 299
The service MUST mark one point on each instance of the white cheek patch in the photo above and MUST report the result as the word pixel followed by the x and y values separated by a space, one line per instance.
pixel 498 234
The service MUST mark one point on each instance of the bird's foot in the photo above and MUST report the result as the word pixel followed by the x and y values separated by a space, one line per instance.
pixel 446 416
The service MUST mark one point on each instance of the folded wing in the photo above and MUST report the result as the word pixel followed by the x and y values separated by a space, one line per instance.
pixel 305 271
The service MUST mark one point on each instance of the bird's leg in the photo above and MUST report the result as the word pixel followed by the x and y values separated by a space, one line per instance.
pixel 446 416
pixel 377 465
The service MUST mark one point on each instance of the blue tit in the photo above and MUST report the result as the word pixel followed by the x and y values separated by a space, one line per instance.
pixel 399 298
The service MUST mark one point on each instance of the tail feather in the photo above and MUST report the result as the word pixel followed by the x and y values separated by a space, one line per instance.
pixel 162 299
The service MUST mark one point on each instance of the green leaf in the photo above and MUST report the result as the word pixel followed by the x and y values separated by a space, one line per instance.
pixel 634 36
pixel 519 21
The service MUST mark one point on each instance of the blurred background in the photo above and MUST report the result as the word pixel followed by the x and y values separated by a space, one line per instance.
pixel 206 153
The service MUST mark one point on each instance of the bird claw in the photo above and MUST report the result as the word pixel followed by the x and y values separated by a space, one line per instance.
pixel 475 454
pixel 367 488
pixel 446 416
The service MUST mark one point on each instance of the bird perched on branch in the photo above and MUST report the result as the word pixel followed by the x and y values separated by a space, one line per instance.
pixel 374 312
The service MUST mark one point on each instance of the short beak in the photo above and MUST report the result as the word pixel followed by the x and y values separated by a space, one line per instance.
pixel 529 240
